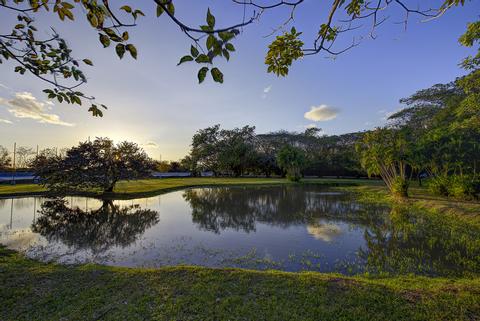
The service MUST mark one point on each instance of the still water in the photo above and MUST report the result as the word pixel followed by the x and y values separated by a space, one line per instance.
pixel 291 228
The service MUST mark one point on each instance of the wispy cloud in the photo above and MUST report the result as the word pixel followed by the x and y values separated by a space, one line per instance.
pixel 151 144
pixel 25 105
pixel 5 121
pixel 321 113
pixel 266 91
pixel 4 87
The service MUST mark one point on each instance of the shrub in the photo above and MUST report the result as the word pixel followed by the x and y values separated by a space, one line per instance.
pixel 461 187
pixel 438 185
pixel 400 187
pixel 464 187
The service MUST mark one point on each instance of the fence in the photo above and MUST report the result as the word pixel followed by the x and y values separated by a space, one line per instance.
pixel 20 157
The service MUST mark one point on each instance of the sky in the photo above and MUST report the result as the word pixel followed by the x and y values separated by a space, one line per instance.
pixel 160 105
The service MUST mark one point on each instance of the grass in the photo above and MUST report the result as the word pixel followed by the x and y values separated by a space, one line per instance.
pixel 420 196
pixel 150 187
pixel 37 291
pixel 31 290
pixel 20 189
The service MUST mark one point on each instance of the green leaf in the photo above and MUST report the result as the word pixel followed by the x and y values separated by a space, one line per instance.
pixel 202 73
pixel 185 59
pixel 226 54
pixel 125 35
pixel 230 47
pixel 159 10
pixel 202 59
pixel 133 51
pixel 226 36
pixel 88 62
pixel 120 49
pixel 105 41
pixel 95 111
pixel 126 8
pixel 194 51
pixel 171 8
pixel 217 75
pixel 206 28
pixel 210 19
pixel 211 40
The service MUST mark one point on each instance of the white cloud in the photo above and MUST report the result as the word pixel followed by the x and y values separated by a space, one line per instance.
pixel 266 90
pixel 5 121
pixel 311 126
pixel 321 113
pixel 25 105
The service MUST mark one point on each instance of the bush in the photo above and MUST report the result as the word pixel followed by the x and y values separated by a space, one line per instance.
pixel 464 187
pixel 438 185
pixel 461 187
pixel 400 187
pixel 294 175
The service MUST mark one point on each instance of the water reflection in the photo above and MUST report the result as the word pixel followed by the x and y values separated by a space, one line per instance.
pixel 422 242
pixel 217 209
pixel 96 230
pixel 292 228
pixel 324 231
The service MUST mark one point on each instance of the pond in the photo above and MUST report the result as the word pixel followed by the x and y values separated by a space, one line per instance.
pixel 292 228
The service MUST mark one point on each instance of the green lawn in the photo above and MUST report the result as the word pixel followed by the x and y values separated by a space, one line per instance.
pixel 149 187
pixel 35 291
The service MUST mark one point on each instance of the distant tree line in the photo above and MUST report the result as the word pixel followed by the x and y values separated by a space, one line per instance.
pixel 240 151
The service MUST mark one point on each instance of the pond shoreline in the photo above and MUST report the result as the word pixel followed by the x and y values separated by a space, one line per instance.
pixel 154 187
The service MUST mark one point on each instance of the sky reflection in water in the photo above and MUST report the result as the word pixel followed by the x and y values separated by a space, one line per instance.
pixel 283 227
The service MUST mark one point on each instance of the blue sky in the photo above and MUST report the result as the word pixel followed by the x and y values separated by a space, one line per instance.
pixel 160 106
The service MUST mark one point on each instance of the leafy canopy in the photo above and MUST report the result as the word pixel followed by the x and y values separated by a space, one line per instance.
pixel 50 59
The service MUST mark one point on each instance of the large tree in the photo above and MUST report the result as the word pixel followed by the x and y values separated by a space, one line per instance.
pixel 293 161
pixel 386 152
pixel 51 60
pixel 98 164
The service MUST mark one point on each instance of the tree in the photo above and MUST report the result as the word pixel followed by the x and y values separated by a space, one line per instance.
pixel 443 122
pixel 51 60
pixel 292 160
pixel 236 150
pixel 24 155
pixel 385 152
pixel 204 152
pixel 98 164
pixel 97 230
pixel 5 160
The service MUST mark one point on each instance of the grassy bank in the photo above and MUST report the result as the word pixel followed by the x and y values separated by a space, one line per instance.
pixel 36 291
pixel 419 196
pixel 149 187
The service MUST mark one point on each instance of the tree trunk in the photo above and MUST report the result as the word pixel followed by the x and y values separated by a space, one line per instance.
pixel 110 188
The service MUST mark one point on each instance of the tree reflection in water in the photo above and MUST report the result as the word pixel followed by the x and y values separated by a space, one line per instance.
pixel 95 230
pixel 402 239
pixel 422 242
pixel 217 209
